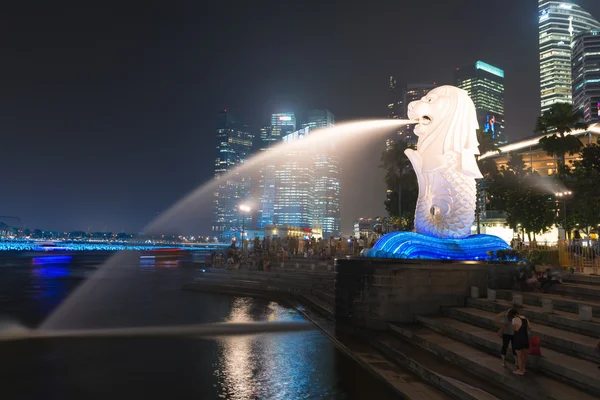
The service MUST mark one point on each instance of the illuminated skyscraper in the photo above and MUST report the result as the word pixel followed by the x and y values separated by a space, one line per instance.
pixel 586 74
pixel 411 92
pixel 559 22
pixel 234 147
pixel 307 186
pixel 485 85
pixel 395 107
pixel 282 124
pixel 294 194
pixel 326 177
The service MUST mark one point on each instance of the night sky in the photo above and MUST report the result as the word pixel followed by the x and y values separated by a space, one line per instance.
pixel 107 109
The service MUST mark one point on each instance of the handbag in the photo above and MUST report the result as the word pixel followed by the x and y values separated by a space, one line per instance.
pixel 534 346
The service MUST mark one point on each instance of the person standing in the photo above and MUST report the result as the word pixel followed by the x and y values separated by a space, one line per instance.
pixel 507 333
pixel 521 327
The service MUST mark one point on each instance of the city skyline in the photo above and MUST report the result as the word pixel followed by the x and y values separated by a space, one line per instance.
pixel 112 126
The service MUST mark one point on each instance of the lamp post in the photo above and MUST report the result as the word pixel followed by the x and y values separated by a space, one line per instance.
pixel 244 209
pixel 563 196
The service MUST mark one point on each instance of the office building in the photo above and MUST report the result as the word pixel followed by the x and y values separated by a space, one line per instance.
pixel 412 92
pixel 307 181
pixel 485 85
pixel 234 146
pixel 282 124
pixel 318 119
pixel 395 107
pixel 586 74
pixel 326 175
pixel 294 179
pixel 559 22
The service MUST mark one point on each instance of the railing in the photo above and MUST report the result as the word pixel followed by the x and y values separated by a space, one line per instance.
pixel 581 254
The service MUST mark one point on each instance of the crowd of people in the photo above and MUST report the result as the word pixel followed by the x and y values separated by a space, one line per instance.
pixel 262 254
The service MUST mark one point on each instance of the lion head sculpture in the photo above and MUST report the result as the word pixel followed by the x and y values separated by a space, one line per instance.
pixel 447 123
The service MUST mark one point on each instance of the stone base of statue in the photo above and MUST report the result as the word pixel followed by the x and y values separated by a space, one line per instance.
pixel 416 246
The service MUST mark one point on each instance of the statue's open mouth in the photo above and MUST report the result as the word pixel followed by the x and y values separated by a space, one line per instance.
pixel 424 120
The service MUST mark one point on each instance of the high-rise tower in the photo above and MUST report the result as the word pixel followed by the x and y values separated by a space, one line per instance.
pixel 485 85
pixel 282 124
pixel 586 74
pixel 234 147
pixel 559 22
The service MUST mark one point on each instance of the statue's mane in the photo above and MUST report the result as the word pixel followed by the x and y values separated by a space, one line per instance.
pixel 457 132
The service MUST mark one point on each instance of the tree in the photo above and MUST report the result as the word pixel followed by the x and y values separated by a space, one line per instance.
pixel 584 181
pixel 402 186
pixel 561 118
pixel 519 192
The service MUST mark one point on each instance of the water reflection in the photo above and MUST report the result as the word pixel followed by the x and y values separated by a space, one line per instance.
pixel 277 366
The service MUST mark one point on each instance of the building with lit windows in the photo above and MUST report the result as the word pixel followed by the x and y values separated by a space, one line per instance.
pixel 412 92
pixel 307 187
pixel 326 177
pixel 559 23
pixel 234 146
pixel 317 119
pixel 485 85
pixel 586 74
pixel 282 124
pixel 395 108
pixel 294 197
pixel 535 157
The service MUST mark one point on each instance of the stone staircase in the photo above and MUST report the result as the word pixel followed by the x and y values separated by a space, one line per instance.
pixel 460 349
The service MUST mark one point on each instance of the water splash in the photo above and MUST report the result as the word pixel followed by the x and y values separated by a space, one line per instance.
pixel 120 282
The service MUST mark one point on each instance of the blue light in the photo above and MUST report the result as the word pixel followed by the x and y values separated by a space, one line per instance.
pixel 51 260
pixel 489 68
pixel 412 245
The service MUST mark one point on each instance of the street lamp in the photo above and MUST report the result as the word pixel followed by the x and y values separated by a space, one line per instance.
pixel 563 196
pixel 244 209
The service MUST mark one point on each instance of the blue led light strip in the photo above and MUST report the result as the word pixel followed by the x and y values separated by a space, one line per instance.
pixel 489 68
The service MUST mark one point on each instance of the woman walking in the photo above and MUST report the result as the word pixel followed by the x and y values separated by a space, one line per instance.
pixel 521 326
pixel 506 332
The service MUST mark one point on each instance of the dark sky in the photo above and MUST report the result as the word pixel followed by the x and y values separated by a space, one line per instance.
pixel 107 109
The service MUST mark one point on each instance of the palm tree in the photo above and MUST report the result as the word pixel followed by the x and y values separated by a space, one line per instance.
pixel 562 119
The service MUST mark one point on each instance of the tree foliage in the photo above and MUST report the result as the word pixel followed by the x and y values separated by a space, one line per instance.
pixel 562 119
pixel 519 192
pixel 401 182
pixel 584 181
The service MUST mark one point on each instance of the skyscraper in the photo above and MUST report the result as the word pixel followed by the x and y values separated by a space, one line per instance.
pixel 294 182
pixel 234 147
pixel 559 22
pixel 307 186
pixel 317 119
pixel 282 124
pixel 326 177
pixel 412 92
pixel 586 74
pixel 485 85
pixel 395 107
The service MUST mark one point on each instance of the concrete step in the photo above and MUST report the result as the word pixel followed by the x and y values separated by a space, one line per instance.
pixel 325 295
pixel 571 343
pixel 533 386
pixel 560 302
pixel 575 371
pixel 580 278
pixel 319 305
pixel 406 384
pixel 577 290
pixel 559 319
pixel 451 380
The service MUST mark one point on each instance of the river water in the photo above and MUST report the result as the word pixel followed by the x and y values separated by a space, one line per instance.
pixel 303 365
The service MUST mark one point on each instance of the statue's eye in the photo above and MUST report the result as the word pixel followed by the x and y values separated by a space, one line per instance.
pixel 429 100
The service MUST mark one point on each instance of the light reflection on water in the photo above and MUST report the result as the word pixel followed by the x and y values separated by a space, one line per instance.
pixel 280 366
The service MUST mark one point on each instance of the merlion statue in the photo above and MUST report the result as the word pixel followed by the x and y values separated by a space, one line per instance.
pixel 445 163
